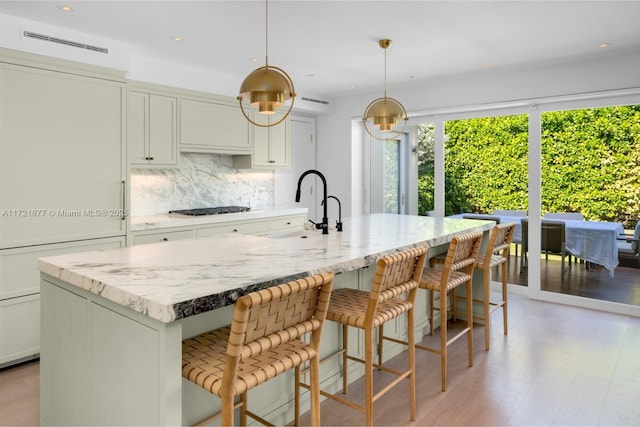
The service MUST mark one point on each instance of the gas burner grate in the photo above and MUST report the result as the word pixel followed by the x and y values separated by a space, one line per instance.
pixel 211 211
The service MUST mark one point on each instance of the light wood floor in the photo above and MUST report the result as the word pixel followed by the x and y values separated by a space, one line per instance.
pixel 559 365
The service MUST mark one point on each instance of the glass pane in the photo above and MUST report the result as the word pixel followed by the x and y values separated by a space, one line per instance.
pixel 591 179
pixel 391 177
pixel 426 171
pixel 486 164
pixel 486 172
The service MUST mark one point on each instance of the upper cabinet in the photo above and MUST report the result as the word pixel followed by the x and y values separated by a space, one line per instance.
pixel 213 126
pixel 152 122
pixel 271 145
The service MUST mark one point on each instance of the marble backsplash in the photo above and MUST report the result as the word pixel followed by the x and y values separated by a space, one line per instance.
pixel 202 180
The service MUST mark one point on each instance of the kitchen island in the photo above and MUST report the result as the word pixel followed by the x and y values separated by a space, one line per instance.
pixel 113 321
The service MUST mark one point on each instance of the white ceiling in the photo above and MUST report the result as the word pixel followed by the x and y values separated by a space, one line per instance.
pixel 336 41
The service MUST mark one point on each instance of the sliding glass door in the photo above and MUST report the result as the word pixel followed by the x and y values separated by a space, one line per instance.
pixel 590 170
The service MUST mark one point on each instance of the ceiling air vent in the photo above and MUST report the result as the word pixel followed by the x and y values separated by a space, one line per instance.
pixel 65 42
pixel 311 104
pixel 319 101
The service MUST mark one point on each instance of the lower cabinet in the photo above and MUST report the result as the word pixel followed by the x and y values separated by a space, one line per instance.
pixel 20 294
pixel 286 224
pixel 19 328
pixel 256 228
pixel 262 227
pixel 164 236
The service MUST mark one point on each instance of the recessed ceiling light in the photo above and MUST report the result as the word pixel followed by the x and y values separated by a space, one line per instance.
pixel 65 8
pixel 603 45
pixel 485 65
pixel 177 38
pixel 311 75
pixel 354 86
pixel 253 59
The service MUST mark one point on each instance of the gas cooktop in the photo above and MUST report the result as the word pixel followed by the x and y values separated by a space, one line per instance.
pixel 211 211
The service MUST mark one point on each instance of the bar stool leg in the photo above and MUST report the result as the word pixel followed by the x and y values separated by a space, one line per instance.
pixel 486 305
pixel 368 363
pixel 412 363
pixel 431 303
pixel 443 340
pixel 345 344
pixel 470 322
pixel 504 297
pixel 315 391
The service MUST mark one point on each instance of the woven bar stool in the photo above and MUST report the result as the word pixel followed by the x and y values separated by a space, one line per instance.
pixel 263 341
pixel 393 293
pixel 458 268
pixel 497 254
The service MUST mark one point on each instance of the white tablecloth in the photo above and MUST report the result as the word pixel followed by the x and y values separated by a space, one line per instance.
pixel 591 241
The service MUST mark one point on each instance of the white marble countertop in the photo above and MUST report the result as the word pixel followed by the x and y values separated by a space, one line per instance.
pixel 172 280
pixel 153 222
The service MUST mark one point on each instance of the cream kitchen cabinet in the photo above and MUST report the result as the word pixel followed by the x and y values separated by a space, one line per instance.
pixel 213 126
pixel 271 145
pixel 257 228
pixel 286 224
pixel 62 178
pixel 152 135
pixel 141 238
pixel 19 293
pixel 61 154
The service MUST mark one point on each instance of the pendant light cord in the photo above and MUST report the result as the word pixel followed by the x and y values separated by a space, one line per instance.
pixel 385 73
pixel 266 33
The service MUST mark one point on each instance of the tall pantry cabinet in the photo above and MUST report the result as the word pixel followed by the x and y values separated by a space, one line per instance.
pixel 62 178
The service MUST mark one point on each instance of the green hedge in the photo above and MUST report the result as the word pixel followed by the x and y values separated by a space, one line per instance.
pixel 590 164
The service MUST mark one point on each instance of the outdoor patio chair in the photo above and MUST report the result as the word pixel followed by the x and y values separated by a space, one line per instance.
pixel 629 244
pixel 552 242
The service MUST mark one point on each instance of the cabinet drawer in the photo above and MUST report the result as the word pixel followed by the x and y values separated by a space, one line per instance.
pixel 165 236
pixel 254 227
pixel 19 274
pixel 288 223
pixel 19 328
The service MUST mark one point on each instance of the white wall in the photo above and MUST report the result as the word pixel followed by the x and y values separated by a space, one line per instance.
pixel 335 133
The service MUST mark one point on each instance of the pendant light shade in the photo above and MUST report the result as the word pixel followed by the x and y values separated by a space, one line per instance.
pixel 267 88
pixel 385 113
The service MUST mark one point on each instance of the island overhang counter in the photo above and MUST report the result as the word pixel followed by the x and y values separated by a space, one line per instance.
pixel 113 321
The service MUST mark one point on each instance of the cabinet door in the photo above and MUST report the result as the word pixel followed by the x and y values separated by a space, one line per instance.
pixel 270 144
pixel 151 130
pixel 61 156
pixel 214 128
pixel 138 128
pixel 19 328
pixel 163 145
pixel 279 143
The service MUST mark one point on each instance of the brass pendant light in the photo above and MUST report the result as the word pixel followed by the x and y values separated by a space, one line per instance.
pixel 267 87
pixel 385 112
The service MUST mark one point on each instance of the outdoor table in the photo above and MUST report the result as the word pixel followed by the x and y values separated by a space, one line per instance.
pixel 591 241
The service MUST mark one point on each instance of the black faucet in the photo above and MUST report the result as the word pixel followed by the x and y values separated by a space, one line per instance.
pixel 339 221
pixel 325 221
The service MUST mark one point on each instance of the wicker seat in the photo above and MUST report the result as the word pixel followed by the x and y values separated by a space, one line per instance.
pixel 457 270
pixel 393 293
pixel 263 341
